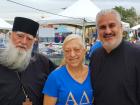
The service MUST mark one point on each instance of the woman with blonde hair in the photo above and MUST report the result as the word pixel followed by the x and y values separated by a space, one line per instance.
pixel 70 84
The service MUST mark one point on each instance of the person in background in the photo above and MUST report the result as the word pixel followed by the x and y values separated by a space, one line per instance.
pixel 115 67
pixel 35 46
pixel 133 40
pixel 70 83
pixel 22 77
pixel 93 47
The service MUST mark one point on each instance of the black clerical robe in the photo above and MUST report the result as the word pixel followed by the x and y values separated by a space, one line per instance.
pixel 115 76
pixel 32 79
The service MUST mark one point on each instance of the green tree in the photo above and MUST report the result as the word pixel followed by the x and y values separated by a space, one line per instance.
pixel 128 15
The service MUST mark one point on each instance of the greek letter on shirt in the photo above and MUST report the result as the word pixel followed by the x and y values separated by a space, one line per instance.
pixel 84 99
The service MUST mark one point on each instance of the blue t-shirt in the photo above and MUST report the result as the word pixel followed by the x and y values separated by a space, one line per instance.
pixel 67 90
pixel 96 45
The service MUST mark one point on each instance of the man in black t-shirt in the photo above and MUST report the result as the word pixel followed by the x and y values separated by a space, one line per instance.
pixel 115 67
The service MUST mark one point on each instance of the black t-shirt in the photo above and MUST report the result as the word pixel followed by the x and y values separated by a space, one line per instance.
pixel 115 76
pixel 32 79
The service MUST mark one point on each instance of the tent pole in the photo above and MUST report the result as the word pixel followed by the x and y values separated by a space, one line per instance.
pixel 83 34
pixel 83 31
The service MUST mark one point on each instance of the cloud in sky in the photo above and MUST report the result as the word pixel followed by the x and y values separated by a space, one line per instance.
pixel 124 3
pixel 9 10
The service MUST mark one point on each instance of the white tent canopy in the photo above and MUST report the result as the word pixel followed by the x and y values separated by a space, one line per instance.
pixel 126 26
pixel 135 27
pixel 81 12
pixel 4 24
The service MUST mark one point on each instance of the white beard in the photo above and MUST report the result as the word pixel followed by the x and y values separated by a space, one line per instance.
pixel 109 47
pixel 15 59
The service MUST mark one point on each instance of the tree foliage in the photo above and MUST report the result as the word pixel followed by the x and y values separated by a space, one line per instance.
pixel 128 15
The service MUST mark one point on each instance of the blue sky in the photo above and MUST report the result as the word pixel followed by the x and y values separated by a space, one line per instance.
pixel 9 10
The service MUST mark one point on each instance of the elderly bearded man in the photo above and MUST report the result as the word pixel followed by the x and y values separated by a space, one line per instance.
pixel 22 77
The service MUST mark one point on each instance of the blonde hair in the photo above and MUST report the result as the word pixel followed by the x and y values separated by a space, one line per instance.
pixel 72 37
pixel 68 39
